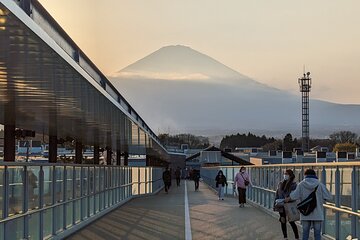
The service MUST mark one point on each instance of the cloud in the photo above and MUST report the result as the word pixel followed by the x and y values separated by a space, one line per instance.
pixel 162 76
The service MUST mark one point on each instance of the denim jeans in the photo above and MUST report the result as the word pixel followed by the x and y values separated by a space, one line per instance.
pixel 221 191
pixel 306 229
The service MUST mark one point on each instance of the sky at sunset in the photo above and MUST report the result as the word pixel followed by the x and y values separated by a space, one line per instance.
pixel 269 41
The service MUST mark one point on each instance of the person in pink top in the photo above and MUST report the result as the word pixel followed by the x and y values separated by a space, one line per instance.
pixel 242 180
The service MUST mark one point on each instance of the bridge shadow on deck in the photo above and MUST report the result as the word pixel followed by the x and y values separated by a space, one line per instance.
pixel 162 217
pixel 154 218
pixel 214 219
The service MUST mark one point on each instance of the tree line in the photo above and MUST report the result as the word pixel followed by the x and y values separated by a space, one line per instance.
pixel 245 140
pixel 194 142
pixel 338 141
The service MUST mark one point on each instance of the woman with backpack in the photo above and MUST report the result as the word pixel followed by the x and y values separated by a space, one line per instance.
pixel 242 180
pixel 220 184
pixel 283 191
pixel 315 193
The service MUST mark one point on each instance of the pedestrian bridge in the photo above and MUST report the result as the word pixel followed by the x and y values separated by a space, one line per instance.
pixel 48 85
pixel 54 201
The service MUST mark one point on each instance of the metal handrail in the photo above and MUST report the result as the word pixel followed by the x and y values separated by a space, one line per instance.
pixel 326 164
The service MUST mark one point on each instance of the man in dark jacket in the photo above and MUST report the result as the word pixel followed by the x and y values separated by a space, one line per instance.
pixel 178 176
pixel 196 178
pixel 167 179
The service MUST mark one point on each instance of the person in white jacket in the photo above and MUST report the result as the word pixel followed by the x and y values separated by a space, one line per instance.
pixel 302 191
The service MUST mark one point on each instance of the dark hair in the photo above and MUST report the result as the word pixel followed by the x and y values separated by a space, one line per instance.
pixel 310 171
pixel 220 172
pixel 286 184
pixel 242 168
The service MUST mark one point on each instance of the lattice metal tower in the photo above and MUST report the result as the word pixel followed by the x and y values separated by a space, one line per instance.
pixel 305 86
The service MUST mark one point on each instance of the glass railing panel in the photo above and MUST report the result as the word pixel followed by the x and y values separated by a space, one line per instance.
pixel 16 190
pixel 33 187
pixel 142 181
pixel 85 181
pixel 48 222
pixel 34 226
pixel 69 183
pixel 91 180
pixel 329 222
pixel 58 218
pixel 150 180
pixel 345 186
pixel 330 181
pixel 77 182
pixel 48 185
pixel 91 206
pixel 135 175
pixel 15 229
pixel 77 210
pixel 69 214
pixel 345 226
pixel 85 207
pixel 59 184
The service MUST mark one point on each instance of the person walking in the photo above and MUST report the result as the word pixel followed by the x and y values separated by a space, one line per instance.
pixel 196 177
pixel 314 218
pixel 178 176
pixel 242 180
pixel 167 179
pixel 220 184
pixel 283 191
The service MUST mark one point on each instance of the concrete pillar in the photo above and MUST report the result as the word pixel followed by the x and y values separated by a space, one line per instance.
pixel 126 159
pixel 96 155
pixel 148 160
pixel 78 152
pixel 52 149
pixel 108 156
pixel 118 157
pixel 9 143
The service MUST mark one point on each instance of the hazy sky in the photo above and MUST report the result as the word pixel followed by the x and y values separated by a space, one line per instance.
pixel 266 40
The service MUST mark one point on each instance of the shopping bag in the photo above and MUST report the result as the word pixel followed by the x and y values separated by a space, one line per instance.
pixel 291 211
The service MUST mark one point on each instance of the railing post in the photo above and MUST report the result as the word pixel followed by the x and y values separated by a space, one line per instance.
pixel 26 202
pixel 89 192
pixel 323 181
pixel 81 193
pixel 354 207
pixel 64 197
pixel 53 186
pixel 41 202
pixel 337 202
pixel 227 176
pixel 73 195
pixel 6 199
pixel 146 181
pixel 138 180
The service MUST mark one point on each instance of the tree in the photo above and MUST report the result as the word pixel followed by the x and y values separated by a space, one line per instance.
pixel 288 143
pixel 276 145
pixel 244 140
pixel 344 137
pixel 345 147
pixel 176 140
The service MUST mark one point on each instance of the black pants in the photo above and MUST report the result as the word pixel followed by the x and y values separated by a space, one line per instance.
pixel 178 181
pixel 283 225
pixel 167 186
pixel 242 195
pixel 196 184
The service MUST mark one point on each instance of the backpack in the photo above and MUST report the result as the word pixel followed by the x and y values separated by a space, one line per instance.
pixel 308 205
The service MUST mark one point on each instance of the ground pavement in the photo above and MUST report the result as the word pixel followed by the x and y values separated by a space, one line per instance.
pixel 162 217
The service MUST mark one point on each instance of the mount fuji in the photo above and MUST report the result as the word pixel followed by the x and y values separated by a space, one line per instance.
pixel 177 89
